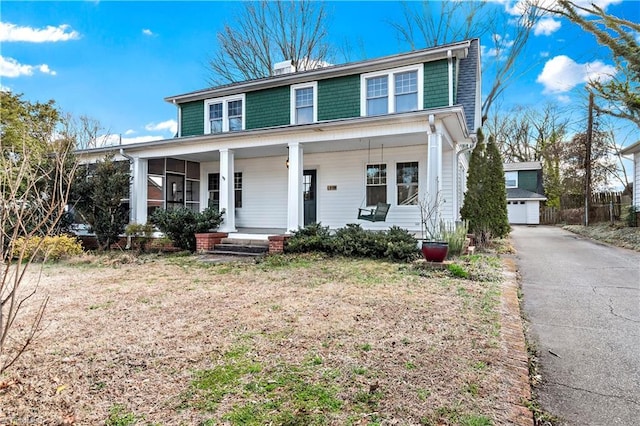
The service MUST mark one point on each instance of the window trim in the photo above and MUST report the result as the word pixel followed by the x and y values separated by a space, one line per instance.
pixel 225 112
pixel 391 87
pixel 292 101
pixel 416 184
pixel 385 184
pixel 511 173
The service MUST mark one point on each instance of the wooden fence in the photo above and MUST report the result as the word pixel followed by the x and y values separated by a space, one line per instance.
pixel 605 207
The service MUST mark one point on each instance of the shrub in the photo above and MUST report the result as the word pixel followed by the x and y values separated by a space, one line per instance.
pixel 313 237
pixel 632 216
pixel 354 241
pixel 47 248
pixel 182 224
pixel 401 245
pixel 141 234
pixel 456 235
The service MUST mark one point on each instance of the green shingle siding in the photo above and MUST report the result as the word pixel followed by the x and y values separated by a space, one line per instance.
pixel 192 114
pixel 436 86
pixel 339 98
pixel 268 108
pixel 528 179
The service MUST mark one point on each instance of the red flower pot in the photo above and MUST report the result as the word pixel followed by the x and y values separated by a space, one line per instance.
pixel 435 251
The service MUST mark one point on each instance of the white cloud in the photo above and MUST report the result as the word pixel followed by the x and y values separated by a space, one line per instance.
pixel 544 54
pixel 12 32
pixel 169 125
pixel 129 132
pixel 4 88
pixel 500 47
pixel 147 32
pixel 564 99
pixel 561 74
pixel 546 26
pixel 9 67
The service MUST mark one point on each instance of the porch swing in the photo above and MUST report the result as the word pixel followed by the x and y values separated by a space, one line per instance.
pixel 379 212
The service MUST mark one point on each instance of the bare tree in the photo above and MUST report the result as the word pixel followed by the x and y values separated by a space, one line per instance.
pixel 429 25
pixel 36 174
pixel 269 32
pixel 526 134
pixel 619 96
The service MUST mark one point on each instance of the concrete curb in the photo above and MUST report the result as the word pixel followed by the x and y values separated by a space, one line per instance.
pixel 516 375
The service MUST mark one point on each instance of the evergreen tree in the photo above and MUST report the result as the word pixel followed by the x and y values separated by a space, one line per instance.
pixel 495 193
pixel 98 195
pixel 472 210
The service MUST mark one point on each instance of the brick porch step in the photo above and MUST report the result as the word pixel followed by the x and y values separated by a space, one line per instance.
pixel 241 247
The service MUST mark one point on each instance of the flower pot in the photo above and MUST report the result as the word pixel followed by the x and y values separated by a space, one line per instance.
pixel 435 251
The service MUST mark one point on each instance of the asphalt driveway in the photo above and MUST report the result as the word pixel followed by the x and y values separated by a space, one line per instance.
pixel 582 299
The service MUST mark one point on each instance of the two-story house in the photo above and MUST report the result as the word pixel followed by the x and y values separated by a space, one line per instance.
pixel 524 192
pixel 315 146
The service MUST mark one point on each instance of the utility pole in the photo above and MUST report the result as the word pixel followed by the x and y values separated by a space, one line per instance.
pixel 587 163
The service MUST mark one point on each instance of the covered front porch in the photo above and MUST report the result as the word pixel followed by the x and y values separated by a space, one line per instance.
pixel 277 180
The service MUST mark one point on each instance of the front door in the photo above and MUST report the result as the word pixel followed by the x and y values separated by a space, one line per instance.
pixel 309 195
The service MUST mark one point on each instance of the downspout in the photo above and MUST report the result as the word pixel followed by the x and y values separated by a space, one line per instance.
pixel 465 150
pixel 132 194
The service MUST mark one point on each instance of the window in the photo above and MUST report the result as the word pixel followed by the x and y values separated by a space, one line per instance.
pixel 406 91
pixel 304 101
pixel 214 189
pixel 390 91
pixel 511 179
pixel 237 188
pixel 376 184
pixel 172 183
pixel 215 117
pixel 407 182
pixel 224 114
pixel 377 95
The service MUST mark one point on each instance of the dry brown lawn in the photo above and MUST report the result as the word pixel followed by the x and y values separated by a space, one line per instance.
pixel 291 340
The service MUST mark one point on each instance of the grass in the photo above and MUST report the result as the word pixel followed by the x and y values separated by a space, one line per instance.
pixel 291 340
pixel 614 234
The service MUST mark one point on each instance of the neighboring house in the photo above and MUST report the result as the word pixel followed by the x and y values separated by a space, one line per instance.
pixel 278 153
pixel 634 150
pixel 524 192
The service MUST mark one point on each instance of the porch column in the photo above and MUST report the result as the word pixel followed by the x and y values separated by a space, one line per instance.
pixel 434 174
pixel 138 197
pixel 227 197
pixel 295 203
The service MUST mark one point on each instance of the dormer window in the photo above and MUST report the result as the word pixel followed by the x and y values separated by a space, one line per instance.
pixel 304 103
pixel 396 90
pixel 224 114
pixel 511 179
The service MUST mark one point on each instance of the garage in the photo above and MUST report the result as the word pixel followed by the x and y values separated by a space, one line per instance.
pixel 523 207
pixel 517 211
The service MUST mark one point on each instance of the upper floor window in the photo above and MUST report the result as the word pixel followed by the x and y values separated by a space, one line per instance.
pixel 396 90
pixel 511 179
pixel 224 114
pixel 304 103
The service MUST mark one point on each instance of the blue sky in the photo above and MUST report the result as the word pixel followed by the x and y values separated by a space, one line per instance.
pixel 116 61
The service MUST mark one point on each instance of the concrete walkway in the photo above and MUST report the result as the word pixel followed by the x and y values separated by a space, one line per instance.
pixel 582 299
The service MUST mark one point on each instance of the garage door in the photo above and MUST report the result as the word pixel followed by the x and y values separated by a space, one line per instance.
pixel 517 211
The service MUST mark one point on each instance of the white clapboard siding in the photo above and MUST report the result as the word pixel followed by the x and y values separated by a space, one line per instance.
pixel 448 189
pixel 636 183
pixel 264 188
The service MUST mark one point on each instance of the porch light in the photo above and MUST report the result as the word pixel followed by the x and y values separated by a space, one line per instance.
pixel 287 162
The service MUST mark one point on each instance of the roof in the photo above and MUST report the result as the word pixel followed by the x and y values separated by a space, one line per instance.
pixel 523 194
pixel 459 49
pixel 631 149
pixel 524 165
